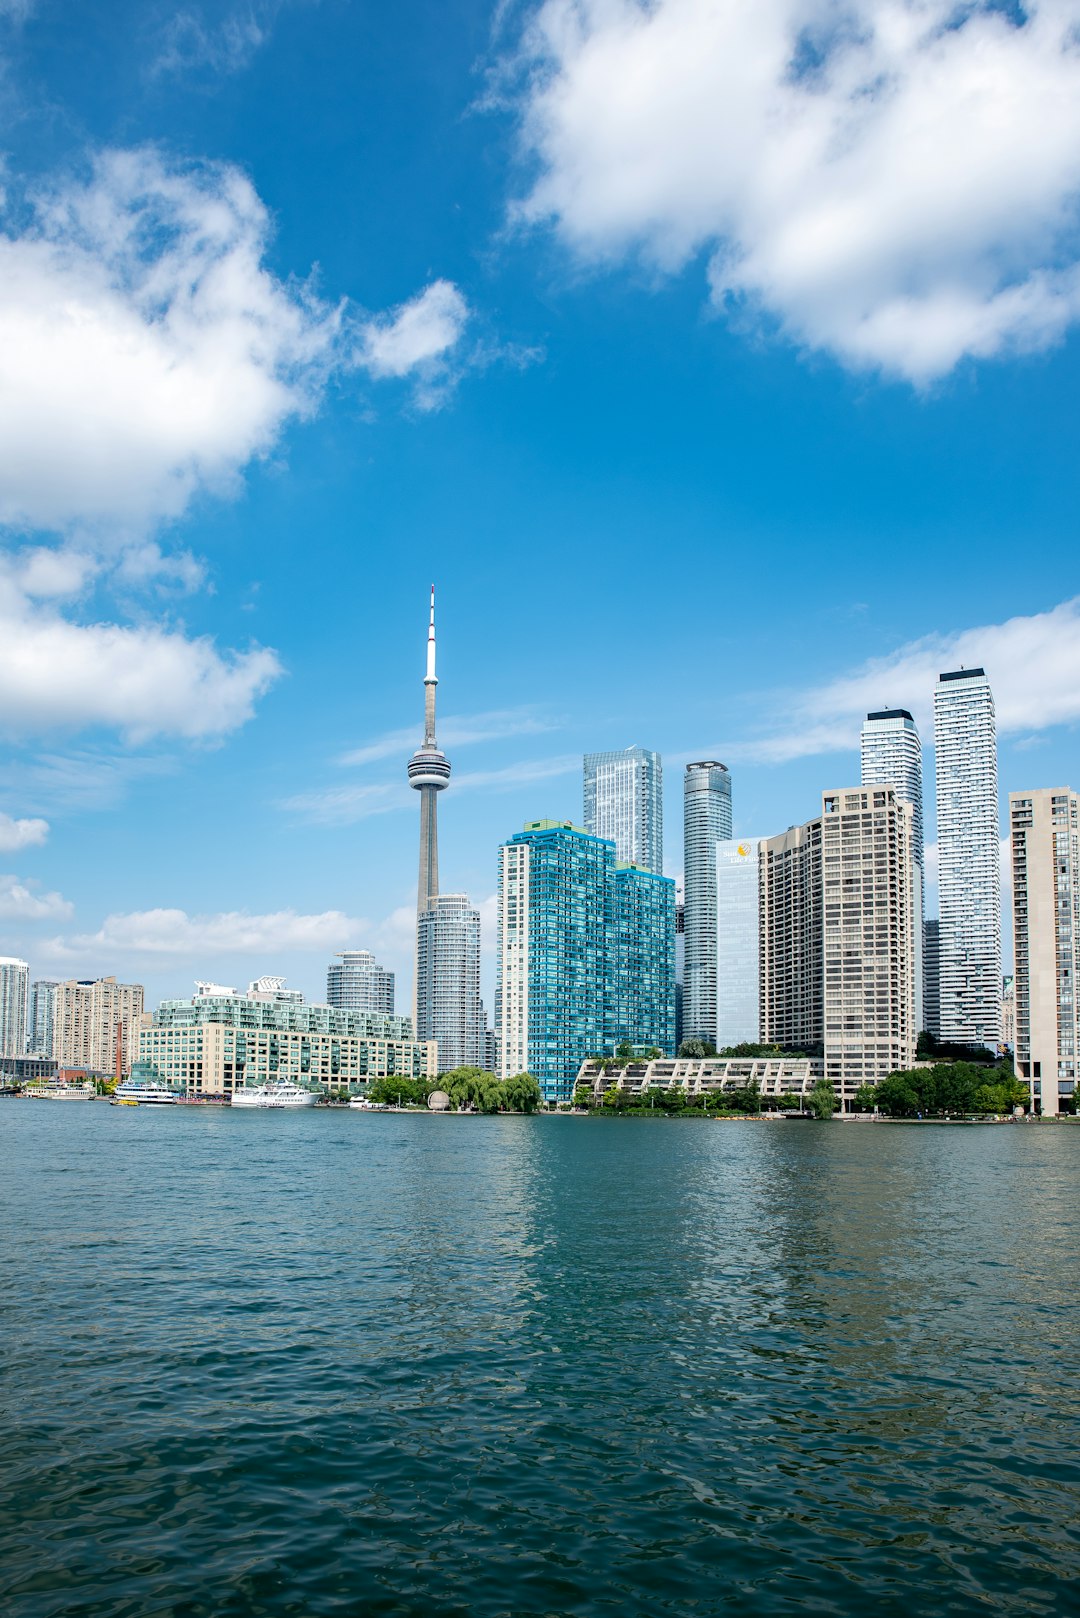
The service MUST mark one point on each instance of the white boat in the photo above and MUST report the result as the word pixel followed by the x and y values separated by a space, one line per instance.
pixel 276 1093
pixel 144 1092
pixel 362 1104
pixel 53 1090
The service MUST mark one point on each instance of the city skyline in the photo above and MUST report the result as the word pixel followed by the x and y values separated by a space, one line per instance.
pixel 201 763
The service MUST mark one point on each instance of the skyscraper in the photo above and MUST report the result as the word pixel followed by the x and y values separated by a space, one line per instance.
pixel 706 822
pixel 42 1019
pixel 624 801
pixel 14 982
pixel 641 970
pixel 932 977
pixel 738 1010
pixel 969 856
pixel 359 983
pixel 1045 828
pixel 98 1021
pixel 556 893
pixel 892 756
pixel 429 774
pixel 448 981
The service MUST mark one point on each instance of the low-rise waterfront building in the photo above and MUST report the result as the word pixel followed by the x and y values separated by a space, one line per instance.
pixel 771 1076
pixel 215 1043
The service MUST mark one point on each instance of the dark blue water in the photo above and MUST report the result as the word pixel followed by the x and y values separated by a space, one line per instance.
pixel 329 1363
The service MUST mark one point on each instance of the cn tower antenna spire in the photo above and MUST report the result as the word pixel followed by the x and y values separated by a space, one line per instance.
pixel 429 773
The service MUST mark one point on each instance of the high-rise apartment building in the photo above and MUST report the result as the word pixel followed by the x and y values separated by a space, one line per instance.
pixel 641 973
pixel 892 756
pixel 706 822
pixel 680 959
pixel 1045 830
pixel 969 858
pixel 932 977
pixel 738 952
pixel 837 910
pixel 1008 1012
pixel 586 954
pixel 448 979
pixel 624 802
pixel 41 1022
pixel 14 985
pixel 97 1024
pixel 356 982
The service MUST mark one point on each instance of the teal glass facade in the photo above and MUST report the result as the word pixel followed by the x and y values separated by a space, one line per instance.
pixel 586 954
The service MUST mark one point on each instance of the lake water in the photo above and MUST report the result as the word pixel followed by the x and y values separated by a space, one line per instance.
pixel 334 1363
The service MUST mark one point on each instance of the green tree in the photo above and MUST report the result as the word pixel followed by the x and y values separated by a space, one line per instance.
pixel 866 1098
pixel 522 1093
pixel 822 1099
pixel 697 1049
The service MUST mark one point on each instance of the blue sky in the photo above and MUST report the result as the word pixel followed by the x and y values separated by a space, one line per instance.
pixel 718 364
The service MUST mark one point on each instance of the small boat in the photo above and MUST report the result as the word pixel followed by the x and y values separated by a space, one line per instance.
pixel 54 1090
pixel 142 1090
pixel 276 1093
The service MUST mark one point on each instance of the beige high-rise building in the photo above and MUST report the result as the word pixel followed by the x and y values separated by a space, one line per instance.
pixel 838 952
pixel 88 1015
pixel 1045 831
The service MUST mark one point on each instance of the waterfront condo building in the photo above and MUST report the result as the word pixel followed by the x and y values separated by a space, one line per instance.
pixel 932 977
pixel 969 858
pixel 41 1022
pixel 738 943
pixel 14 984
pixel 641 972
pixel 586 954
pixel 624 802
pixel 838 909
pixel 96 1024
pixel 892 756
pixel 706 822
pixel 219 1041
pixel 1045 832
pixel 448 981
pixel 356 982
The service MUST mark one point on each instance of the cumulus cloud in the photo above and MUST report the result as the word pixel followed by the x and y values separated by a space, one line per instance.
pixel 892 181
pixel 16 834
pixel 418 338
pixel 145 350
pixel 19 902
pixel 144 680
pixel 1033 664
pixel 175 933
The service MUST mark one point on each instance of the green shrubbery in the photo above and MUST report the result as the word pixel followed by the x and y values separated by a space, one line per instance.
pixel 957 1088
pixel 470 1089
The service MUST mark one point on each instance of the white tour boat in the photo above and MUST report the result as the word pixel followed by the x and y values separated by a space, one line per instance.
pixel 143 1091
pixel 53 1090
pixel 276 1093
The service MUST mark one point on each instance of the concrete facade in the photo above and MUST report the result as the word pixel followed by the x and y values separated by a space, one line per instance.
pixel 1045 836
pixel 87 1018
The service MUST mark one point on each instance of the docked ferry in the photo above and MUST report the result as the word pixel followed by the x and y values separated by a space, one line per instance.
pixel 54 1090
pixel 275 1093
pixel 143 1090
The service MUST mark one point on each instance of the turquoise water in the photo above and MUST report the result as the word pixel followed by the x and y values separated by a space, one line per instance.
pixel 336 1363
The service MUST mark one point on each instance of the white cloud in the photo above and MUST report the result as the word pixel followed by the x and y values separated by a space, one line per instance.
pixel 191 42
pixel 458 730
pixel 521 774
pixel 174 933
pixel 145 351
pixel 893 181
pixel 1033 664
pixel 344 806
pixel 418 338
pixel 19 901
pixel 144 680
pixel 16 834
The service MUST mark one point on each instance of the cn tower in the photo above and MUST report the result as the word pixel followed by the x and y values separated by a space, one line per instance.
pixel 429 773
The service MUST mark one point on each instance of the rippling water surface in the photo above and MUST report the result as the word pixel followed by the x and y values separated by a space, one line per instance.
pixel 329 1363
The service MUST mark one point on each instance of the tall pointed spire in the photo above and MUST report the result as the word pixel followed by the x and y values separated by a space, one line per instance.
pixel 429 773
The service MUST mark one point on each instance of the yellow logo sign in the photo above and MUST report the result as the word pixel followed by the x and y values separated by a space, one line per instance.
pixel 743 849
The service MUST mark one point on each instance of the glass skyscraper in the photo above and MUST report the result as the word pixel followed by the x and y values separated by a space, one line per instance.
pixel 41 1023
pixel 14 983
pixel 738 945
pixel 969 858
pixel 359 983
pixel 706 822
pixel 448 981
pixel 624 801
pixel 586 954
pixel 892 756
